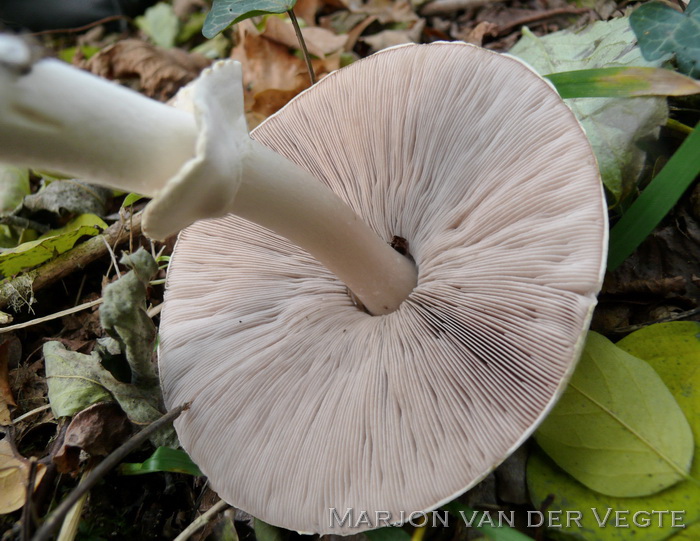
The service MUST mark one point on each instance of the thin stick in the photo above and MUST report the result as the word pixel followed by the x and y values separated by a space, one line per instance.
pixel 30 413
pixel 202 520
pixel 54 520
pixel 304 50
pixel 62 313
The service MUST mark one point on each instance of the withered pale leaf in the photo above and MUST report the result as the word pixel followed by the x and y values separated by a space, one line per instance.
pixel 14 475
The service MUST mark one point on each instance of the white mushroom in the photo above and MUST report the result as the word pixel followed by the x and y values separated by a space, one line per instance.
pixel 301 402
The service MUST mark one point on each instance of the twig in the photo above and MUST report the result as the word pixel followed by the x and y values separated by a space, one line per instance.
pixel 304 50
pixel 114 259
pixel 673 317
pixel 62 313
pixel 540 15
pixel 202 520
pixel 68 262
pixel 28 501
pixel 109 19
pixel 24 223
pixel 55 519
pixel 30 413
pixel 445 7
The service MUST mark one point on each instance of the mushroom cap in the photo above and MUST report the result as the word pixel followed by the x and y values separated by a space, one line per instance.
pixel 301 402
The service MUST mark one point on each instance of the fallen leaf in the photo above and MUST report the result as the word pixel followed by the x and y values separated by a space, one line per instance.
pixel 617 428
pixel 391 38
pixel 14 476
pixel 272 75
pixel 123 316
pixel 63 197
pixel 9 351
pixel 31 254
pixel 477 34
pixel 14 185
pixel 160 23
pixel 673 351
pixel 386 11
pixel 160 72
pixel 613 125
pixel 69 372
pixel 96 430
pixel 319 41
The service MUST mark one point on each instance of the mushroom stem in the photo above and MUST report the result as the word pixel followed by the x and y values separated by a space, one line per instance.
pixel 53 116
pixel 300 208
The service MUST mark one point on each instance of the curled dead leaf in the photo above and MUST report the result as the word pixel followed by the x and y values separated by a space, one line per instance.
pixel 319 41
pixel 97 430
pixel 14 476
pixel 160 72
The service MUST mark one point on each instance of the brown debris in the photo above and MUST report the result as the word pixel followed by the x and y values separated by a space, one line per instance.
pixel 159 73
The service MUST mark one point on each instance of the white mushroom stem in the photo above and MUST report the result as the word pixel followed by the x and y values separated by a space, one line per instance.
pixel 196 166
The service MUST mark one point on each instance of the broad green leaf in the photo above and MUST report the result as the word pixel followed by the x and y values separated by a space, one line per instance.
pixel 673 350
pixel 622 83
pixel 160 23
pixel 31 254
pixel 617 428
pixel 163 459
pixel 227 12
pixel 657 199
pixel 663 31
pixel 691 533
pixel 558 492
pixel 613 125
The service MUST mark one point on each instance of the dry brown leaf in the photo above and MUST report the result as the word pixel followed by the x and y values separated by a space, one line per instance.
pixel 386 11
pixel 160 72
pixel 10 349
pixel 319 41
pixel 97 430
pixel 272 75
pixel 307 10
pixel 391 38
pixel 14 475
pixel 476 35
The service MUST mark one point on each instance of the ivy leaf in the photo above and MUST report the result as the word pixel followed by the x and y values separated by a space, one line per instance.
pixel 663 31
pixel 618 429
pixel 227 12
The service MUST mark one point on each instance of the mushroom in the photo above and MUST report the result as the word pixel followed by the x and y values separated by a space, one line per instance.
pixel 307 400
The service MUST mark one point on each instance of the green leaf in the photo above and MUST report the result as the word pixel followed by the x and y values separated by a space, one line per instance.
pixel 617 428
pixel 663 31
pixel 673 350
pixel 622 83
pixel 30 254
pixel 160 23
pixel 131 198
pixel 657 199
pixel 163 459
pixel 71 382
pixel 613 125
pixel 227 12
pixel 267 532
pixel 556 491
